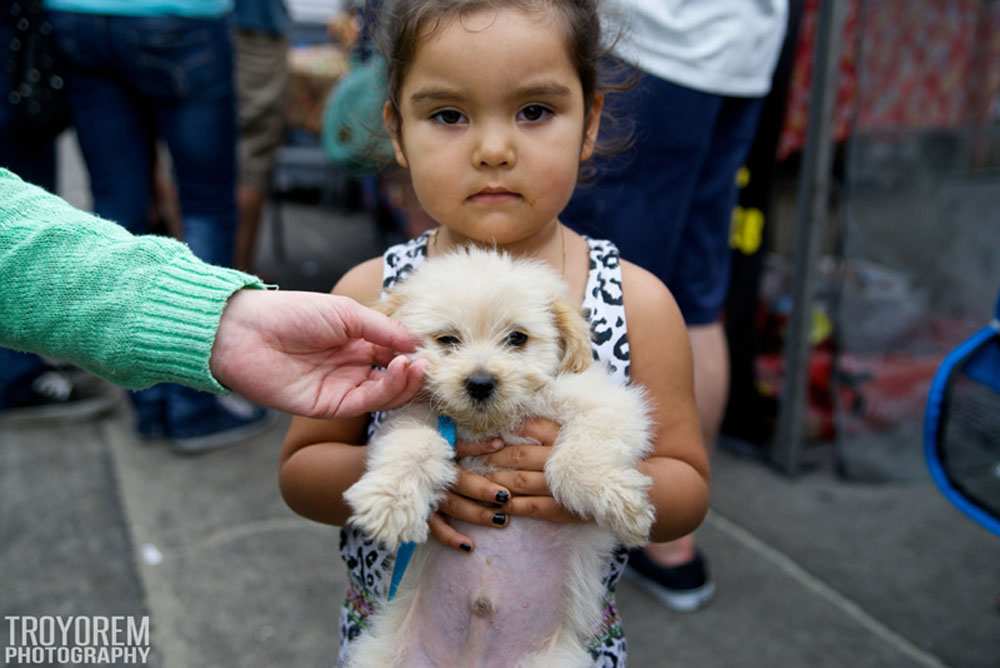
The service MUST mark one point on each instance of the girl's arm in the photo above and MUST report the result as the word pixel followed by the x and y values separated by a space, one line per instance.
pixel 320 459
pixel 661 362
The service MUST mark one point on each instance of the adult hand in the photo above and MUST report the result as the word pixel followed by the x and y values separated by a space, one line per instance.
pixel 311 354
pixel 527 492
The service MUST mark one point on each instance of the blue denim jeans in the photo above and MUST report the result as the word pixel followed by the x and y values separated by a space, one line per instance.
pixel 133 81
pixel 36 164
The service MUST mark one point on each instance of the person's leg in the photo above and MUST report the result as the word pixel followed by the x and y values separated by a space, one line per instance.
pixel 183 68
pixel 701 276
pixel 250 200
pixel 199 128
pixel 643 201
pixel 262 81
pixel 111 121
pixel 113 130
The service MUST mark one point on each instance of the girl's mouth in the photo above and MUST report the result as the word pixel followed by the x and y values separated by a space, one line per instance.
pixel 494 196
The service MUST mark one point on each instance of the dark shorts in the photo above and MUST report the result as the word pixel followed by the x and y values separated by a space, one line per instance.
pixel 667 202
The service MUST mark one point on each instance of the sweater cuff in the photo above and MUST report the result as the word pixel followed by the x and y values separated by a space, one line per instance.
pixel 179 320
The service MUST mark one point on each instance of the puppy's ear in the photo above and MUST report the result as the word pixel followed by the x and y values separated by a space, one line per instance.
pixel 390 303
pixel 574 335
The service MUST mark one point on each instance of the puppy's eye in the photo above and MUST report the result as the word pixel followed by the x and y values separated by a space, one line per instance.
pixel 517 339
pixel 448 341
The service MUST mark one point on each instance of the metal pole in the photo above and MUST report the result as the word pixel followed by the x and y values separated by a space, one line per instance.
pixel 811 216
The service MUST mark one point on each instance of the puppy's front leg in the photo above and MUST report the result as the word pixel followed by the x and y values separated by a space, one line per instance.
pixel 409 467
pixel 593 468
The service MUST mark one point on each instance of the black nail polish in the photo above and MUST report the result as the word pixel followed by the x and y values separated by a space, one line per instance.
pixel 465 547
pixel 503 496
pixel 500 519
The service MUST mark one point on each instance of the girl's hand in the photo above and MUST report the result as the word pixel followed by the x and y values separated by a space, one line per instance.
pixel 473 498
pixel 527 492
pixel 526 480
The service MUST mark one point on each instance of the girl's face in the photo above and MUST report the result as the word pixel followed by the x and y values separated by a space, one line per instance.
pixel 492 124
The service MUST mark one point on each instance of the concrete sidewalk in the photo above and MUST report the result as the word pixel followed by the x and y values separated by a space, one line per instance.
pixel 811 573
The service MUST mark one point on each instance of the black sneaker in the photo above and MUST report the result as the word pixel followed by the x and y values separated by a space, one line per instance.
pixel 683 588
pixel 231 420
pixel 59 396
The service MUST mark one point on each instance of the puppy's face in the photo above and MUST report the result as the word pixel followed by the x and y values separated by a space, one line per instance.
pixel 495 331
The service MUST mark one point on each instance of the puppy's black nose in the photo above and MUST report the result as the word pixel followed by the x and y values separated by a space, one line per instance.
pixel 480 385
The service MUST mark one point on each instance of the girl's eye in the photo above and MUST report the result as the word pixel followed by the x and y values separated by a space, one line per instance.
pixel 448 117
pixel 534 113
pixel 517 339
pixel 448 341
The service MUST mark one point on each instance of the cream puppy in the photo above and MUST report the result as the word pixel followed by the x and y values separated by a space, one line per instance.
pixel 503 344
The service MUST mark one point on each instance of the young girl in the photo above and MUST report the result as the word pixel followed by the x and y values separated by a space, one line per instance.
pixel 492 107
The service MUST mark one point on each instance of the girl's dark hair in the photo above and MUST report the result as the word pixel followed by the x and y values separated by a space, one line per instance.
pixel 404 22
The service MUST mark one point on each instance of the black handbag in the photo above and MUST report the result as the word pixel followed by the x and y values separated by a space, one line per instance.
pixel 37 97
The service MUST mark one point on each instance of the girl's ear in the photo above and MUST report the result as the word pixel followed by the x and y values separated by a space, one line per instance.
pixel 593 126
pixel 574 336
pixel 391 121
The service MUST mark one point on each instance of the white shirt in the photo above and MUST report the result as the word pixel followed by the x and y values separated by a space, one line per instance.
pixel 726 47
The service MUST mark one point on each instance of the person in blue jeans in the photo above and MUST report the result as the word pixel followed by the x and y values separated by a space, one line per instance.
pixel 141 71
pixel 703 70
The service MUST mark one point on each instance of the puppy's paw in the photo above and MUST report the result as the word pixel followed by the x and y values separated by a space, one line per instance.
pixel 615 498
pixel 391 514
pixel 623 507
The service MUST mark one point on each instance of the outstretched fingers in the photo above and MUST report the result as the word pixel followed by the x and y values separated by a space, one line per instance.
pixel 383 389
pixel 413 374
pixel 364 323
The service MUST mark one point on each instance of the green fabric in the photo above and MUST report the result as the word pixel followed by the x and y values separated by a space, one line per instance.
pixel 135 310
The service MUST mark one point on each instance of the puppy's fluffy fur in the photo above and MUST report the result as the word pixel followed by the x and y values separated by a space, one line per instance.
pixel 501 327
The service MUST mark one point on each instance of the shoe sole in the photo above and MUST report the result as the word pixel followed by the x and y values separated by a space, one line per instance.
pixel 73 411
pixel 688 601
pixel 201 444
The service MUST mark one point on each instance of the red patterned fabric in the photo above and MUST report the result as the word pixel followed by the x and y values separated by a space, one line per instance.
pixel 905 64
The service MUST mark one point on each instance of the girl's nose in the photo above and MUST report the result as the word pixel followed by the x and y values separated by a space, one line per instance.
pixel 494 149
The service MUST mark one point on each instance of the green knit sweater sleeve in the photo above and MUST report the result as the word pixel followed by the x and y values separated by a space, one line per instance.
pixel 135 310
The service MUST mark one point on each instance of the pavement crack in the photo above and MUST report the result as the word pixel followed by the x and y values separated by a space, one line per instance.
pixel 236 532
